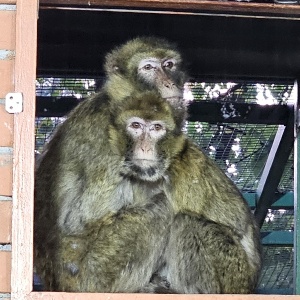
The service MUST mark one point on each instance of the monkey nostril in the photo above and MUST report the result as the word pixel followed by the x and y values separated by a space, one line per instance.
pixel 169 85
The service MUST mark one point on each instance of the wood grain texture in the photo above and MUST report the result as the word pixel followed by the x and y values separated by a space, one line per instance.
pixel 22 217
pixel 5 266
pixel 5 227
pixel 6 126
pixel 84 296
pixel 6 171
pixel 203 5
pixel 8 26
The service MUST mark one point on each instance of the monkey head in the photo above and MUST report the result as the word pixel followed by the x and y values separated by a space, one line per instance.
pixel 145 63
pixel 146 135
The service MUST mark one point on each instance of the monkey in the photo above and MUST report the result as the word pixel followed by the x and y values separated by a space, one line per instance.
pixel 158 226
pixel 100 245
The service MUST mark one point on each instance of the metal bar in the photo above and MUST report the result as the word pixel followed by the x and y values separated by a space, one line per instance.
pixel 231 112
pixel 272 173
pixel 282 201
pixel 277 238
pixel 296 201
pixel 212 112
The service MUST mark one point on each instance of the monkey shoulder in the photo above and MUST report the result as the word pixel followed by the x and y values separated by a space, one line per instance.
pixel 201 186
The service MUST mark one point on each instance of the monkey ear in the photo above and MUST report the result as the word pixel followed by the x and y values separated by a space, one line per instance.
pixel 111 65
pixel 116 68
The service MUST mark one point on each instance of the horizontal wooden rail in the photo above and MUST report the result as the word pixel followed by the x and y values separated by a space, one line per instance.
pixel 213 6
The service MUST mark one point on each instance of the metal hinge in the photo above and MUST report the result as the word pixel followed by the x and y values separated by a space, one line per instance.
pixel 14 103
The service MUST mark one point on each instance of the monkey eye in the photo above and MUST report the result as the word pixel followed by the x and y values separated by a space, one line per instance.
pixel 157 127
pixel 148 67
pixel 135 125
pixel 169 64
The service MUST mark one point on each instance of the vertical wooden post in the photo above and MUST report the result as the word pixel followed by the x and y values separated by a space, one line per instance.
pixel 23 165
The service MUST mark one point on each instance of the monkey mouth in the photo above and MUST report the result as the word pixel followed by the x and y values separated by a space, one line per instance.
pixel 145 163
pixel 167 93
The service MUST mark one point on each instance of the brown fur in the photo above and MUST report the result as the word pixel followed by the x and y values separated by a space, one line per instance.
pixel 100 228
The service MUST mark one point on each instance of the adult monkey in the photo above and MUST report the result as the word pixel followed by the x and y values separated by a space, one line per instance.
pixel 96 241
pixel 171 222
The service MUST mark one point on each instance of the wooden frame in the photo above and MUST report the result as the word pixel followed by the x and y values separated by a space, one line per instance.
pixel 205 6
pixel 22 230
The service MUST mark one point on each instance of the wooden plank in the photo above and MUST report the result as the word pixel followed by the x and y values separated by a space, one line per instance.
pixel 6 70
pixel 7 25
pixel 5 265
pixel 184 5
pixel 5 228
pixel 6 126
pixel 6 173
pixel 7 1
pixel 85 296
pixel 23 182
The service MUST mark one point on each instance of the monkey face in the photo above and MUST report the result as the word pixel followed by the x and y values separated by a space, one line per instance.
pixel 145 64
pixel 143 135
pixel 161 73
pixel 143 159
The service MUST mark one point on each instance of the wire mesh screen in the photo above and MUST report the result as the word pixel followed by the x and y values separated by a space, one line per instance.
pixel 239 92
pixel 287 181
pixel 279 220
pixel 241 150
pixel 277 271
pixel 65 87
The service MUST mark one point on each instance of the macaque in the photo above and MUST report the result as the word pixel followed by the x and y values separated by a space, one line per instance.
pixel 110 237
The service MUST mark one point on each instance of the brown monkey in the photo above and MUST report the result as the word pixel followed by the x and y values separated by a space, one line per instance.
pixel 170 215
pixel 111 236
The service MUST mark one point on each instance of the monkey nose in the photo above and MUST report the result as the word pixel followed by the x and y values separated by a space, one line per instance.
pixel 169 85
pixel 145 150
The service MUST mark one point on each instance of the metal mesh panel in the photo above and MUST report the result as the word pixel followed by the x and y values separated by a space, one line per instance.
pixel 241 150
pixel 279 220
pixel 287 180
pixel 239 92
pixel 277 271
pixel 65 87
pixel 44 127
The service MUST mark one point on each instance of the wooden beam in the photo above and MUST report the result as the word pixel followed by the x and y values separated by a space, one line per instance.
pixel 250 8
pixel 23 160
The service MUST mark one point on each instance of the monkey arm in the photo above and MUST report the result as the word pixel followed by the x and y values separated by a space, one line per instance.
pixel 201 187
pixel 212 221
pixel 206 257
pixel 121 250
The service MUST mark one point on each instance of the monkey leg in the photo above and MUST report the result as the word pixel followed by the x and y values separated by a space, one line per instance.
pixel 118 253
pixel 205 257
